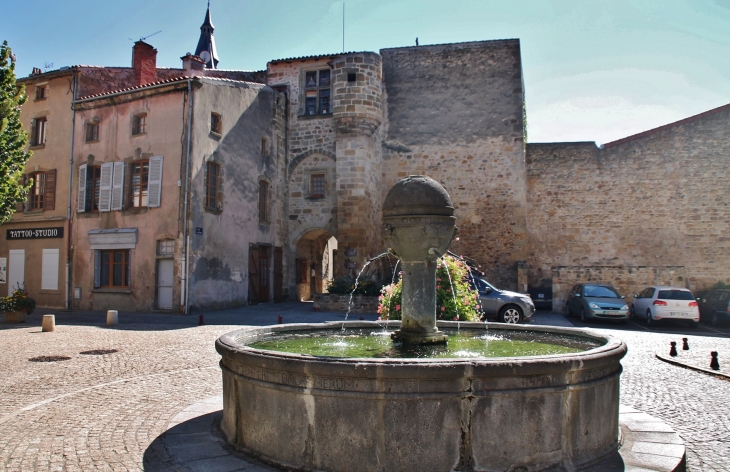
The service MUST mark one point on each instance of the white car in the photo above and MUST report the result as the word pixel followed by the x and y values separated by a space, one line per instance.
pixel 666 303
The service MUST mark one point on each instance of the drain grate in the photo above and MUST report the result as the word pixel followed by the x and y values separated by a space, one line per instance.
pixel 98 352
pixel 49 358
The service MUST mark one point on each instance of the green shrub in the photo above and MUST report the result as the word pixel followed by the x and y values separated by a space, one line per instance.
pixel 344 285
pixel 721 286
pixel 463 298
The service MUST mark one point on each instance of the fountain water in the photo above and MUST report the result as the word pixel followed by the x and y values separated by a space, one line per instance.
pixel 319 411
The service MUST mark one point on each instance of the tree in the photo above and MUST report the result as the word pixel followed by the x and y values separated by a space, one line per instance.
pixel 12 137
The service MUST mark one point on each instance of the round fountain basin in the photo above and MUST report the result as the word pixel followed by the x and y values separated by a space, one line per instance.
pixel 332 413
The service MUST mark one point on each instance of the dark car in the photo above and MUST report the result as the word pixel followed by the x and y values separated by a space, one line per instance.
pixel 715 306
pixel 597 301
pixel 506 306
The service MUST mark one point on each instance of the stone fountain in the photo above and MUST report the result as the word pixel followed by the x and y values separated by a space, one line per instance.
pixel 304 412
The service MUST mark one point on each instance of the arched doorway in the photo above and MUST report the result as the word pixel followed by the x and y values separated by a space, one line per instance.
pixel 315 260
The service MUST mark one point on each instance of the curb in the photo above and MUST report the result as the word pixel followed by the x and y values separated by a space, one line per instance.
pixel 669 360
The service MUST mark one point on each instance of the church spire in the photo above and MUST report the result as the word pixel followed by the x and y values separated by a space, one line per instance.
pixel 206 43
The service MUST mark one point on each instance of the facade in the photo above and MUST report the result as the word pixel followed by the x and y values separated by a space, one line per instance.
pixel 203 188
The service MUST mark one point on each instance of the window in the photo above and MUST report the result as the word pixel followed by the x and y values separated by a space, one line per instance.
pixel 38 191
pixel 41 92
pixel 166 247
pixel 92 132
pixel 216 124
pixel 38 131
pixel 263 196
pixel 351 77
pixel 138 191
pixel 93 189
pixel 317 92
pixel 212 186
pixel 114 268
pixel 317 186
pixel 139 124
pixel 264 147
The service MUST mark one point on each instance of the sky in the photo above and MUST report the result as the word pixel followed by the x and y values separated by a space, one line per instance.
pixel 594 70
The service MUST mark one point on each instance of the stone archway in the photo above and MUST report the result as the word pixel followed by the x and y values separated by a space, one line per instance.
pixel 315 259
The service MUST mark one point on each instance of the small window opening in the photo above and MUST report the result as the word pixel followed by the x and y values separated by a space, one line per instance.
pixel 352 77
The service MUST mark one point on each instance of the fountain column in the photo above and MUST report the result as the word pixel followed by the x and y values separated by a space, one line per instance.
pixel 418 227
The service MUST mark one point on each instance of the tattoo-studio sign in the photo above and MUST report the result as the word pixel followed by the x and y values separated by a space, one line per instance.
pixel 36 233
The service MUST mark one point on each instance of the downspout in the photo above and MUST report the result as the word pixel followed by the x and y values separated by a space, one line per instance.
pixel 186 245
pixel 70 193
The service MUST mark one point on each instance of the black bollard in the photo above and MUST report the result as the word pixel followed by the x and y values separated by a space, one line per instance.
pixel 673 349
pixel 362 318
pixel 714 363
pixel 201 322
pixel 281 319
pixel 685 346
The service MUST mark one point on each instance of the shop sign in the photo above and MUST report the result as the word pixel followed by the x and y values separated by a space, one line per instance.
pixel 35 233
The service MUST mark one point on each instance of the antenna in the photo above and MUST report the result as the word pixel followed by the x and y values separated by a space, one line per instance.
pixel 145 37
pixel 48 65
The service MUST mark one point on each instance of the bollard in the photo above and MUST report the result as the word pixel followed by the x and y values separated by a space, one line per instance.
pixel 362 318
pixel 714 363
pixel 201 320
pixel 281 319
pixel 685 346
pixel 49 323
pixel 112 317
pixel 673 349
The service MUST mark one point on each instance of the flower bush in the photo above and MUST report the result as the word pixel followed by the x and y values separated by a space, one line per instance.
pixel 461 304
pixel 20 300
pixel 344 285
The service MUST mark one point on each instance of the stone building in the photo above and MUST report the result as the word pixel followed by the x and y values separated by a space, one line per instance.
pixel 305 151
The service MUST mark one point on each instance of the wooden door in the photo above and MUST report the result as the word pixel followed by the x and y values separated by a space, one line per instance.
pixel 253 274
pixel 278 275
pixel 264 272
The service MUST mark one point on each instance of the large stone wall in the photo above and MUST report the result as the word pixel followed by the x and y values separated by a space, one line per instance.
pixel 658 199
pixel 455 113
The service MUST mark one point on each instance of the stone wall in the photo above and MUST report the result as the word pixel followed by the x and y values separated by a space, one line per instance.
pixel 455 113
pixel 657 199
pixel 340 303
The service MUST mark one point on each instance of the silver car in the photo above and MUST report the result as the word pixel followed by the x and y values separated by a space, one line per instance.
pixel 658 303
pixel 507 307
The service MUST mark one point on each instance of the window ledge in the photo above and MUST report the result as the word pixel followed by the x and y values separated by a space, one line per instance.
pixel 214 211
pixel 215 135
pixel 135 135
pixel 91 141
pixel 33 212
pixel 37 146
pixel 120 291
pixel 315 197
pixel 135 210
pixel 312 117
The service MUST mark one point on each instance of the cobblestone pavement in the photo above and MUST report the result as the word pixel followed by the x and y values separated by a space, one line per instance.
pixel 103 412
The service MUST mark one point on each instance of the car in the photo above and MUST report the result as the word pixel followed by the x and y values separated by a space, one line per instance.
pixel 657 303
pixel 714 306
pixel 599 301
pixel 506 306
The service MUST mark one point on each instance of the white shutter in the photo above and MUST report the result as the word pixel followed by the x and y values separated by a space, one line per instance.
pixel 81 203
pixel 154 183
pixel 118 186
pixel 105 186
pixel 97 268
pixel 49 270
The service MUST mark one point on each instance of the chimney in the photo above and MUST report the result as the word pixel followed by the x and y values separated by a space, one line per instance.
pixel 144 63
pixel 193 65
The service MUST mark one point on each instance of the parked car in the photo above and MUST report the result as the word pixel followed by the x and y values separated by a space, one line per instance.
pixel 597 301
pixel 714 306
pixel 666 303
pixel 507 307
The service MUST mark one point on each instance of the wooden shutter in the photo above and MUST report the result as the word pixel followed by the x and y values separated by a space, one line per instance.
pixel 105 186
pixel 278 275
pixel 253 274
pixel 81 198
pixel 49 200
pixel 118 187
pixel 154 185
pixel 219 189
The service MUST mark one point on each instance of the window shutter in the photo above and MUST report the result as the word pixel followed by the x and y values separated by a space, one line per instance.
pixel 219 189
pixel 105 186
pixel 23 206
pixel 49 269
pixel 50 193
pixel 81 199
pixel 154 183
pixel 117 187
pixel 97 260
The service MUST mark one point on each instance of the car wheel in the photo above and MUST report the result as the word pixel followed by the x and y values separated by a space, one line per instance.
pixel 715 320
pixel 693 324
pixel 632 312
pixel 583 315
pixel 649 320
pixel 510 315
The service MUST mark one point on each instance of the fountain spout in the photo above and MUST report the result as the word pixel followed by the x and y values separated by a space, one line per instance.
pixel 418 226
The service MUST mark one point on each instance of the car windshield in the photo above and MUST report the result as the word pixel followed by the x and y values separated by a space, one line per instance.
pixel 600 291
pixel 483 285
pixel 675 295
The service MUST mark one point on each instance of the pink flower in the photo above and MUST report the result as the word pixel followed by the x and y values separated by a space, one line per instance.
pixel 443 308
pixel 448 290
pixel 456 318
pixel 379 318
pixel 438 279
pixel 438 286
pixel 397 307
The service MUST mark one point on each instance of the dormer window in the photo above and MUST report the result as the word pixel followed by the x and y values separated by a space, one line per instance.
pixel 317 92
